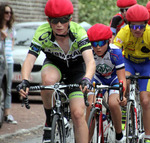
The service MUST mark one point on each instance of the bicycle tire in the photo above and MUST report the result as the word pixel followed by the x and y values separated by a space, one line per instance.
pixel 58 130
pixel 131 132
pixel 94 121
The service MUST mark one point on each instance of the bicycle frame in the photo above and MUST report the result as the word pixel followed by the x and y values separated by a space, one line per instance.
pixel 101 133
pixel 134 124
pixel 58 109
pixel 132 107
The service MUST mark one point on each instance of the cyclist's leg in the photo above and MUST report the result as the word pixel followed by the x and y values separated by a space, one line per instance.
pixel 91 99
pixel 145 102
pixel 116 115
pixel 129 69
pixel 115 112
pixel 115 109
pixel 77 107
pixel 144 87
pixel 50 75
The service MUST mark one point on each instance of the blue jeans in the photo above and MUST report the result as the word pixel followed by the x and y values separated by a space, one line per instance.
pixel 9 84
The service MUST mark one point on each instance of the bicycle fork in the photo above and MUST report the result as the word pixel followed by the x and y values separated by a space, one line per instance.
pixel 134 115
pixel 101 133
pixel 101 128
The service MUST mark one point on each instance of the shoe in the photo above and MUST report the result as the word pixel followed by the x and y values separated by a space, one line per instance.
pixel 123 117
pixel 47 135
pixel 123 140
pixel 146 141
pixel 10 119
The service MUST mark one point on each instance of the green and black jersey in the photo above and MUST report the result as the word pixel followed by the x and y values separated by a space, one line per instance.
pixel 44 40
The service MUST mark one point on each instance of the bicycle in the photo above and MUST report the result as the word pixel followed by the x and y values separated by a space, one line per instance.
pixel 134 121
pixel 98 131
pixel 61 111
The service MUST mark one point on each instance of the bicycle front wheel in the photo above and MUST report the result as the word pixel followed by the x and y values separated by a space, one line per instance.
pixel 131 124
pixel 95 126
pixel 58 130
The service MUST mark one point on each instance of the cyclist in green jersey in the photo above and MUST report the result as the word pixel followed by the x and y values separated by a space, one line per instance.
pixel 68 52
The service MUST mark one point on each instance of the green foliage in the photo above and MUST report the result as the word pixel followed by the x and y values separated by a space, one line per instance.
pixel 99 11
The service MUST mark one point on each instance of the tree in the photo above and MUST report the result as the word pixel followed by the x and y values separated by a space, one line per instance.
pixel 99 11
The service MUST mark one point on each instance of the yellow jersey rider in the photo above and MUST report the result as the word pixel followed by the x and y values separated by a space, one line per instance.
pixel 135 40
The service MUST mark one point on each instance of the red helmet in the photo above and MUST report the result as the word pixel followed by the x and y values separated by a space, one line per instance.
pixel 99 32
pixel 137 13
pixel 58 8
pixel 125 3
pixel 148 5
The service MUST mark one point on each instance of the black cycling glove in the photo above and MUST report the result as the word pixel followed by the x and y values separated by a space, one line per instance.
pixel 86 82
pixel 23 85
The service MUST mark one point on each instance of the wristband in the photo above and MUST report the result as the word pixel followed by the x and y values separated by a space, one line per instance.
pixel 26 82
pixel 86 79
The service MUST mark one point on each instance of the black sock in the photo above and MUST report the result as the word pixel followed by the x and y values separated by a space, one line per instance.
pixel 119 136
pixel 48 117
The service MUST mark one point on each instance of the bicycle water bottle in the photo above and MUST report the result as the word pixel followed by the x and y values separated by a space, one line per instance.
pixel 105 124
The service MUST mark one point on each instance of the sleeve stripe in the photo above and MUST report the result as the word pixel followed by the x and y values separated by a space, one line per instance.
pixel 120 66
pixel 85 48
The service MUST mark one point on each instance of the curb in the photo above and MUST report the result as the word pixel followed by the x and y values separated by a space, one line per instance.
pixel 20 132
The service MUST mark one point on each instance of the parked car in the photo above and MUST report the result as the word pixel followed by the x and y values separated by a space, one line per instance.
pixel 3 81
pixel 24 34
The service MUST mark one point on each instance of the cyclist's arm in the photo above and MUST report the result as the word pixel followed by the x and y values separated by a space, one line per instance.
pixel 121 76
pixel 113 26
pixel 115 22
pixel 90 63
pixel 23 87
pixel 122 37
pixel 27 66
pixel 112 39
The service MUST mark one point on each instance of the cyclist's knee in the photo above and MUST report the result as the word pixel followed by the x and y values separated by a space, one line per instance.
pixel 145 104
pixel 91 100
pixel 145 100
pixel 77 115
pixel 113 103
pixel 50 78
pixel 48 82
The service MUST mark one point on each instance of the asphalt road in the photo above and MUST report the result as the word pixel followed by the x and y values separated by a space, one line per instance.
pixel 30 122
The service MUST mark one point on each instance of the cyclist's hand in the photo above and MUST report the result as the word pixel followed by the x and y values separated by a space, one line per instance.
pixel 85 84
pixel 23 88
pixel 123 102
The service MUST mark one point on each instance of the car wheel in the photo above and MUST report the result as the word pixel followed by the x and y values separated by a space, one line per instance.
pixel 2 98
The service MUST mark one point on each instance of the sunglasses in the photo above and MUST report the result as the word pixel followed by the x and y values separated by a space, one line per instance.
pixel 123 9
pixel 99 43
pixel 134 27
pixel 8 12
pixel 62 20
